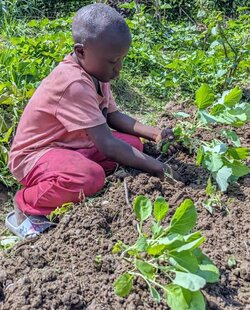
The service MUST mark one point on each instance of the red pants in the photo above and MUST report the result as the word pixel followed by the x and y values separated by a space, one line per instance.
pixel 60 176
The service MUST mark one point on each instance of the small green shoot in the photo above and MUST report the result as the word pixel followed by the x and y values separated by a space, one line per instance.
pixel 231 262
pixel 60 211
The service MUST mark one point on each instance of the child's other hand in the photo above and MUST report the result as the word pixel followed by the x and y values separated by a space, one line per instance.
pixel 167 135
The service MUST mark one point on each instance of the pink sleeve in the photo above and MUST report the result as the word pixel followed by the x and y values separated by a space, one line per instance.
pixel 78 108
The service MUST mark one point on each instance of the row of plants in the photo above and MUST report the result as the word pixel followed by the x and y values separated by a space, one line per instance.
pixel 159 8
pixel 219 116
pixel 167 58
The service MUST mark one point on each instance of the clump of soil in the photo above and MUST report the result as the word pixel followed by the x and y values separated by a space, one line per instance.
pixel 72 266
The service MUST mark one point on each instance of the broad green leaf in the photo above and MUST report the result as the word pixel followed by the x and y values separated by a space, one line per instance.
pixel 209 272
pixel 231 135
pixel 184 218
pixel 142 207
pixel 233 97
pixel 195 300
pixel 175 298
pixel 193 236
pixel 213 161
pixel 172 241
pixel 156 250
pixel 160 208
pixel 238 152
pixel 199 156
pixel 207 118
pixel 217 109
pixel 146 269
pixel 185 259
pixel 238 169
pixel 222 177
pixel 141 244
pixel 154 293
pixel 123 284
pixel 204 97
pixel 206 268
pixel 191 245
pixel 189 281
pixel 220 148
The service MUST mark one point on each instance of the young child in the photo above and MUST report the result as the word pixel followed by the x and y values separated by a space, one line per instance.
pixel 64 145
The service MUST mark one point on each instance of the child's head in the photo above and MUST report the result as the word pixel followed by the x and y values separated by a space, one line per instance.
pixel 102 39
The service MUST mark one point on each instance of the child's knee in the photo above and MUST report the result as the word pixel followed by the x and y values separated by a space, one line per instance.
pixel 89 182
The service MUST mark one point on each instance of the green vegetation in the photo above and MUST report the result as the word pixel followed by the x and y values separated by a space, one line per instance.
pixel 185 51
pixel 224 161
pixel 166 59
pixel 167 258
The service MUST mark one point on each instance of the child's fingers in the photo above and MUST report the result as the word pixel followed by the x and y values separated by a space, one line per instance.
pixel 167 133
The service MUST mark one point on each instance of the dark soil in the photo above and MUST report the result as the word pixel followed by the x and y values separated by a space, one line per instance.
pixel 72 266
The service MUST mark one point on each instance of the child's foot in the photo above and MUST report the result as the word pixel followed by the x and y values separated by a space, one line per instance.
pixel 20 216
pixel 26 226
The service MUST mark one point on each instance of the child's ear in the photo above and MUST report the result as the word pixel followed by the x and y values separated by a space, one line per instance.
pixel 79 50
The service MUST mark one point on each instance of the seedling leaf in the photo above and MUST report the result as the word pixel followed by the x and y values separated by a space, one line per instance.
pixel 189 281
pixel 232 135
pixel 123 284
pixel 204 97
pixel 142 207
pixel 185 260
pixel 175 297
pixel 160 208
pixel 222 178
pixel 195 300
pixel 184 218
pixel 209 272
pixel 233 97
pixel 145 268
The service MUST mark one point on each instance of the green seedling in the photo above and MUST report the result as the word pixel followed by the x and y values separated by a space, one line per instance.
pixel 213 198
pixel 61 211
pixel 7 242
pixel 224 161
pixel 98 259
pixel 167 258
pixel 231 262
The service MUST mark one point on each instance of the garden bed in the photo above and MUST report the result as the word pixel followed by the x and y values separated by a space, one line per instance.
pixel 72 266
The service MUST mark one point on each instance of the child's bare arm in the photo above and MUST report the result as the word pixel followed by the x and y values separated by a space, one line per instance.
pixel 124 123
pixel 123 153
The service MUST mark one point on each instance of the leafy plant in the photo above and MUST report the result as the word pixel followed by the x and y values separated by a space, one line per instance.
pixel 214 198
pixel 60 211
pixel 223 160
pixel 167 258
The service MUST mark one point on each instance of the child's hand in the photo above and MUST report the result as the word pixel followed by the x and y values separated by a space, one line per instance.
pixel 167 135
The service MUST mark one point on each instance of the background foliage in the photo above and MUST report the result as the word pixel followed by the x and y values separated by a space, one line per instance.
pixel 167 60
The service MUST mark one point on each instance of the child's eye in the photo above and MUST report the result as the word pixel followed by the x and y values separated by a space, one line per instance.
pixel 112 62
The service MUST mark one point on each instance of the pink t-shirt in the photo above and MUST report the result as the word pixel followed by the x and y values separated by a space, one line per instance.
pixel 62 107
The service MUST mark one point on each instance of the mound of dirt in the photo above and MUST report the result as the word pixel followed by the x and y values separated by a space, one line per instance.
pixel 72 266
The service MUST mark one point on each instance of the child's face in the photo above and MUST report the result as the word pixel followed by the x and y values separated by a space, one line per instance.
pixel 104 59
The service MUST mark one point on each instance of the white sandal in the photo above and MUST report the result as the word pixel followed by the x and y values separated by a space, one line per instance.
pixel 31 227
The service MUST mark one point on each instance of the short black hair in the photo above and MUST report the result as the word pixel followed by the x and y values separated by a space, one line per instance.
pixel 93 20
